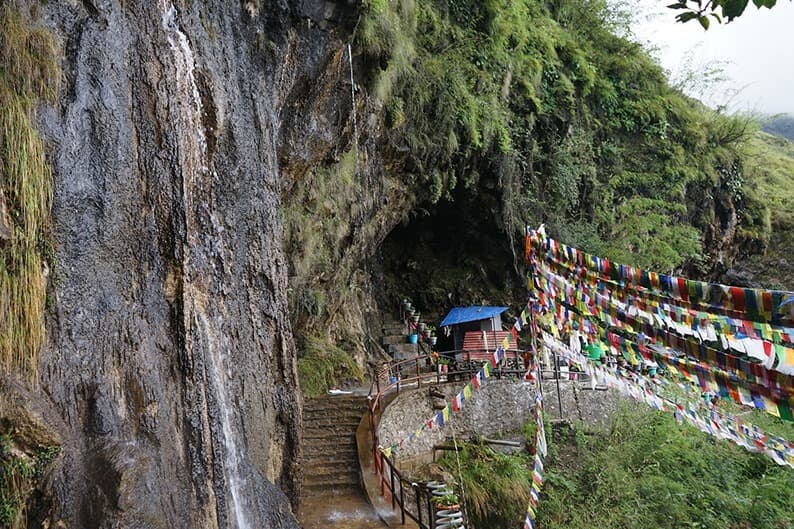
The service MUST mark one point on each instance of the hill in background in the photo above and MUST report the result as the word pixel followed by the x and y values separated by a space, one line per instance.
pixel 780 125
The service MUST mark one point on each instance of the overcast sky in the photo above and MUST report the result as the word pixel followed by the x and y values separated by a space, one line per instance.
pixel 756 52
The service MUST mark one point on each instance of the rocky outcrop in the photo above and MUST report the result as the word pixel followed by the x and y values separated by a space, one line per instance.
pixel 170 361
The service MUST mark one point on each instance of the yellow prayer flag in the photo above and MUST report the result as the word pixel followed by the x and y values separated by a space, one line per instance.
pixel 770 406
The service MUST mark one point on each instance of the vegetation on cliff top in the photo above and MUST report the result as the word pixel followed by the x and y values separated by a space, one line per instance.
pixel 647 471
pixel 29 73
pixel 501 114
pixel 542 105
pixel 770 163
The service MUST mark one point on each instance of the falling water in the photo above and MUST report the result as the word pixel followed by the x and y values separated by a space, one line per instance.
pixel 193 155
pixel 233 459
pixel 352 92
pixel 353 105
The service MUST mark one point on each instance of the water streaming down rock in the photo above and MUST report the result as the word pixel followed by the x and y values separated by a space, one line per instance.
pixel 233 460
pixel 171 364
pixel 171 359
pixel 193 154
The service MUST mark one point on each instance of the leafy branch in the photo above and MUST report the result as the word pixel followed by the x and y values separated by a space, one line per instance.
pixel 704 10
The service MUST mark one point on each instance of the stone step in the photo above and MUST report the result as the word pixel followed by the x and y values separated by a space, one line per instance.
pixel 335 403
pixel 330 419
pixel 325 451
pixel 343 457
pixel 311 432
pixel 341 410
pixel 329 467
pixel 343 438
pixel 394 327
pixel 349 424
pixel 334 477
pixel 329 454
pixel 394 339
pixel 323 489
pixel 403 351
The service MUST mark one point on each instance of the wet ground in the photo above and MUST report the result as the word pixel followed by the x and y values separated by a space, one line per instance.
pixel 339 511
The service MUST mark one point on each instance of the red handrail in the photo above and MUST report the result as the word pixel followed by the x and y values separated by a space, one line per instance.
pixel 396 490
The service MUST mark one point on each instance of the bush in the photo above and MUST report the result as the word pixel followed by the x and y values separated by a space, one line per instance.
pixel 322 365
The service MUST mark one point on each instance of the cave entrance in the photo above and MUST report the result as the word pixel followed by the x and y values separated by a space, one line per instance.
pixel 451 253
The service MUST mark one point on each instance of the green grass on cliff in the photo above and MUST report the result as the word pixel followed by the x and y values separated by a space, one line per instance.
pixel 18 472
pixel 542 105
pixel 322 365
pixel 29 73
pixel 770 179
pixel 648 471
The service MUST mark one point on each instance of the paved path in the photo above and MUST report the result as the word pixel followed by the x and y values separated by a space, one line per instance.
pixel 339 511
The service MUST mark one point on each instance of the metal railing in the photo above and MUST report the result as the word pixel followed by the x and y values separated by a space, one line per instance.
pixel 415 372
pixel 405 494
pixel 461 365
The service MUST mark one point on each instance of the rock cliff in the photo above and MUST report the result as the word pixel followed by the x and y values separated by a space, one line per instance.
pixel 169 371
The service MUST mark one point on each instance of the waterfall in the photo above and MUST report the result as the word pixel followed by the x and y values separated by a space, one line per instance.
pixel 353 105
pixel 233 458
pixel 193 155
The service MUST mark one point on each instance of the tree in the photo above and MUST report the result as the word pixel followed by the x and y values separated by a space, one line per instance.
pixel 704 10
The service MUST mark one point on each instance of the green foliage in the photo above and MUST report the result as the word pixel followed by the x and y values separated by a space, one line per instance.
pixel 651 472
pixel 318 218
pixel 496 485
pixel 28 73
pixel 769 195
pixel 771 173
pixel 706 10
pixel 542 103
pixel 322 365
pixel 643 235
pixel 18 471
pixel 647 471
pixel 447 499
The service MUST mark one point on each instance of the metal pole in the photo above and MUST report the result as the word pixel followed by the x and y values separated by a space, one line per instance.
pixel 391 488
pixel 535 349
pixel 430 513
pixel 402 502
pixel 418 503
pixel 557 378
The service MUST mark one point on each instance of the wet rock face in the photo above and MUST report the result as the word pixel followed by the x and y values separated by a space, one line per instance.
pixel 171 359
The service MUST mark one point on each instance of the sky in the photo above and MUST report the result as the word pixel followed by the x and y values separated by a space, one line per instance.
pixel 755 52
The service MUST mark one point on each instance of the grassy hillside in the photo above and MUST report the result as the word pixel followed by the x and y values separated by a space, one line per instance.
pixel 780 125
pixel 770 178
pixel 537 112
pixel 650 472
pixel 646 472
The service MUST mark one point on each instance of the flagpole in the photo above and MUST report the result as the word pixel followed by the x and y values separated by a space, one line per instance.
pixel 557 378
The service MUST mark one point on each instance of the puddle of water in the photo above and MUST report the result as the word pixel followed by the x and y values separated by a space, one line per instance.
pixel 339 511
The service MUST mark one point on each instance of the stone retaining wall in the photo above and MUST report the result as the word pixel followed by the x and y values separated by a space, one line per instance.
pixel 499 409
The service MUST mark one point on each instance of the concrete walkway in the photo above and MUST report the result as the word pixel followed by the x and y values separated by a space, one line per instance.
pixel 349 510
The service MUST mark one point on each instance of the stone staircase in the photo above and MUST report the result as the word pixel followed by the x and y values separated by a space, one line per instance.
pixel 330 456
pixel 395 341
